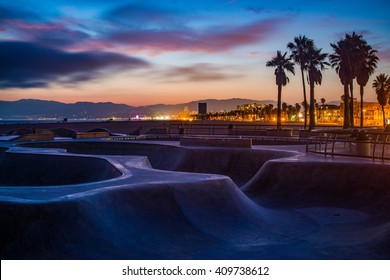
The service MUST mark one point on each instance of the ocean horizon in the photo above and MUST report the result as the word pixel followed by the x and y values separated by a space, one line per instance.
pixel 5 121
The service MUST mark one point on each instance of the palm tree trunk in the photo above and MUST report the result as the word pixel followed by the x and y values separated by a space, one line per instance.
pixel 304 97
pixel 279 113
pixel 347 121
pixel 351 108
pixel 361 105
pixel 312 108
pixel 383 114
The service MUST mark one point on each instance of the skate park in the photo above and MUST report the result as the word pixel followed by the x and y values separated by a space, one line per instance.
pixel 109 199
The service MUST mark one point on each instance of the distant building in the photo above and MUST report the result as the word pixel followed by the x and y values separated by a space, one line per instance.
pixel 372 113
pixel 202 109
pixel 328 114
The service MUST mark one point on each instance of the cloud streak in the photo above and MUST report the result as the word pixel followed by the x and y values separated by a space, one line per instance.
pixel 212 40
pixel 199 72
pixel 26 65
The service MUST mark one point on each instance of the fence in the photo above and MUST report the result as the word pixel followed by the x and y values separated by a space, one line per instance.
pixel 373 145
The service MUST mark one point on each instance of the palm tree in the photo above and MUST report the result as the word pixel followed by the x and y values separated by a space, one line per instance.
pixel 281 63
pixel 342 60
pixel 382 87
pixel 299 49
pixel 316 64
pixel 367 63
pixel 356 42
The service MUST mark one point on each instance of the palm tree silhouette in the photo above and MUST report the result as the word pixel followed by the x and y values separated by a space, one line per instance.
pixel 342 60
pixel 366 66
pixel 316 64
pixel 281 63
pixel 299 49
pixel 382 87
pixel 356 42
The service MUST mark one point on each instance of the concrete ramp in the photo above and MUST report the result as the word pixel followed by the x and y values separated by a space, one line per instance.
pixel 330 183
pixel 157 221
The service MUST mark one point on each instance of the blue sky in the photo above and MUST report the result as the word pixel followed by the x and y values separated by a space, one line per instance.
pixel 146 52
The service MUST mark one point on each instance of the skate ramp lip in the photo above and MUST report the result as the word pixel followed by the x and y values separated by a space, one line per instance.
pixel 240 164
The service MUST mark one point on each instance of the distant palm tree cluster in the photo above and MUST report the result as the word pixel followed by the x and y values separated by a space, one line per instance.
pixel 257 112
pixel 352 58
pixel 381 85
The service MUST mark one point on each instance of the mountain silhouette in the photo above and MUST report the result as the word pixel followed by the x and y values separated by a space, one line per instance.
pixel 33 108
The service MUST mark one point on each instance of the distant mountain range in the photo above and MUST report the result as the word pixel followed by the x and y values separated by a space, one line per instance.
pixel 33 108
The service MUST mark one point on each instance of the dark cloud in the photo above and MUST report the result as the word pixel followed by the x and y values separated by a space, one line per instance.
pixel 26 65
pixel 200 72
pixel 7 13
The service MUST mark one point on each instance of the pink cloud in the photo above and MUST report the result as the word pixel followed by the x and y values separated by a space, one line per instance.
pixel 211 40
pixel 21 25
pixel 51 34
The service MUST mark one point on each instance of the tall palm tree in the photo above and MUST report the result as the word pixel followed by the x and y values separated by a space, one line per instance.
pixel 316 64
pixel 367 63
pixel 299 49
pixel 356 42
pixel 381 85
pixel 342 60
pixel 281 64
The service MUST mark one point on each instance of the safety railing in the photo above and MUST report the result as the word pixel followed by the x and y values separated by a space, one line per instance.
pixel 363 144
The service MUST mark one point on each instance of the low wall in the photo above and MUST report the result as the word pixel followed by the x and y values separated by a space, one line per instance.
pixel 217 142
pixel 35 137
pixel 283 132
pixel 97 134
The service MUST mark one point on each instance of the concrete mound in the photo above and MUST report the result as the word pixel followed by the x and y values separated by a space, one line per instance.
pixel 202 219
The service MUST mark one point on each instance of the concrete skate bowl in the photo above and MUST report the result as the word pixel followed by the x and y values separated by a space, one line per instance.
pixel 239 164
pixel 35 169
pixel 283 213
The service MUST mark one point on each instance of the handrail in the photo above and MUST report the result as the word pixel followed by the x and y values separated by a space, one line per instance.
pixel 343 144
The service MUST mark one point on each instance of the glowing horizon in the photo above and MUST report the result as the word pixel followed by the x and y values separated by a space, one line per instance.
pixel 139 53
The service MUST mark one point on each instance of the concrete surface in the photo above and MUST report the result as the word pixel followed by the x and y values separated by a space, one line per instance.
pixel 155 201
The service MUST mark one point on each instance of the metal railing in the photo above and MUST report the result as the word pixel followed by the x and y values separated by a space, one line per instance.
pixel 376 145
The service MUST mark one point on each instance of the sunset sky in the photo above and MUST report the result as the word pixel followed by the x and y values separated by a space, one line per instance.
pixel 148 52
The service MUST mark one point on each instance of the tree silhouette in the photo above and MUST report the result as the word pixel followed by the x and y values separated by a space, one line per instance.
pixel 281 64
pixel 299 50
pixel 316 64
pixel 381 85
pixel 342 60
